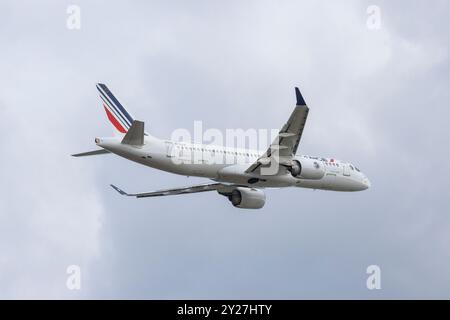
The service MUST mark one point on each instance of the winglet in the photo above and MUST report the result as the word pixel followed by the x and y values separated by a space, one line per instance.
pixel 300 100
pixel 119 190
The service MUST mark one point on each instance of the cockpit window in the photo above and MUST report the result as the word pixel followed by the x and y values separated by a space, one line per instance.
pixel 351 167
pixel 357 169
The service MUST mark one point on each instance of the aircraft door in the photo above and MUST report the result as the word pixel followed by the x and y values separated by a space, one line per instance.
pixel 169 149
pixel 346 170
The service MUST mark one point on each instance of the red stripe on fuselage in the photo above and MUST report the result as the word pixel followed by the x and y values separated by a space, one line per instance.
pixel 114 121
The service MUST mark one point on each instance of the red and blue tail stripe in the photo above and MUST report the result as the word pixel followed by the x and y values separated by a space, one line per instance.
pixel 117 114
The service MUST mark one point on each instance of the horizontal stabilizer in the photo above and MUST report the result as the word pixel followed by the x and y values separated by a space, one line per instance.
pixel 135 135
pixel 91 153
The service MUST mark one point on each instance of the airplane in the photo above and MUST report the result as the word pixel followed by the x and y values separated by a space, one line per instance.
pixel 242 182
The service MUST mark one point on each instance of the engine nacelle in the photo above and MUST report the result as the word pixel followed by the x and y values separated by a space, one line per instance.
pixel 247 198
pixel 307 169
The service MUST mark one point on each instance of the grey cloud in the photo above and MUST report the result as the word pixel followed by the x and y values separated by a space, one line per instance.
pixel 377 98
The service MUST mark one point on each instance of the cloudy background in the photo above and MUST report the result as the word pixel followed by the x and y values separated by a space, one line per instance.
pixel 379 98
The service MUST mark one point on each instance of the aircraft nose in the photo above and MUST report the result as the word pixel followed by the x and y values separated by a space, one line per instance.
pixel 366 183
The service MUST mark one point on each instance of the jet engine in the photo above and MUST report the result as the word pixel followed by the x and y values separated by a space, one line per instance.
pixel 247 198
pixel 307 169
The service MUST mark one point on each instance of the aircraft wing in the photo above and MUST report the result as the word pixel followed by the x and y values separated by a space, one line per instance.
pixel 222 188
pixel 286 143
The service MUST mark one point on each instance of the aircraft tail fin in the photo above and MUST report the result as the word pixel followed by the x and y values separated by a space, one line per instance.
pixel 119 117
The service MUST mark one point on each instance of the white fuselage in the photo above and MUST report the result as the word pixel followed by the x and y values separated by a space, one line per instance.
pixel 228 165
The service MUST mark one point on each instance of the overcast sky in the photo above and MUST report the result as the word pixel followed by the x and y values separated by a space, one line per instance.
pixel 378 98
